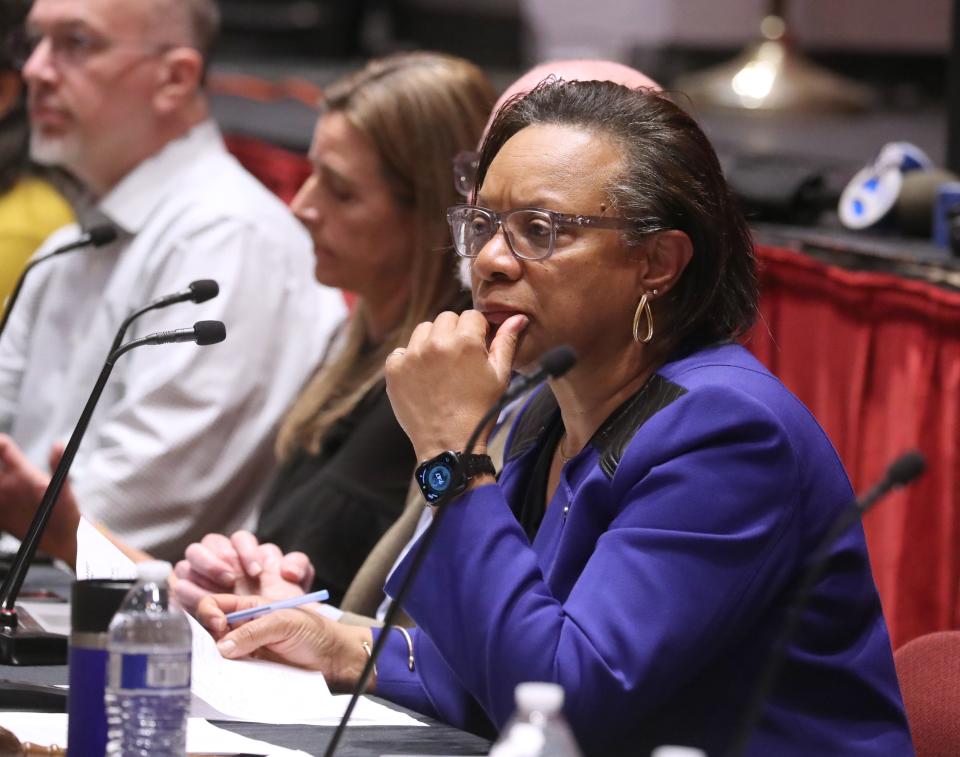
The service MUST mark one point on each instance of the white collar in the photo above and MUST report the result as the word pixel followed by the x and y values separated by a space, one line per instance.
pixel 130 203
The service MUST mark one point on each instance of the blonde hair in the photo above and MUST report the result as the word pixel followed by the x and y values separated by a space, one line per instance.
pixel 419 110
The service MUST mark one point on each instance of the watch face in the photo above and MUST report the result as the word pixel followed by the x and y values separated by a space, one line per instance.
pixel 436 476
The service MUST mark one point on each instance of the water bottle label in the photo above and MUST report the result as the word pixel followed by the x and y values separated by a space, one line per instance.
pixel 150 671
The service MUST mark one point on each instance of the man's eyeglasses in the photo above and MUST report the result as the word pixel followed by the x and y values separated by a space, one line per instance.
pixel 74 47
pixel 531 233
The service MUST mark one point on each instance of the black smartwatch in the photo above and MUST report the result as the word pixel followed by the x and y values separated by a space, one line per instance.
pixel 439 476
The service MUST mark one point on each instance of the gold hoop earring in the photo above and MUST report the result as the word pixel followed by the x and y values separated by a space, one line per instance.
pixel 643 309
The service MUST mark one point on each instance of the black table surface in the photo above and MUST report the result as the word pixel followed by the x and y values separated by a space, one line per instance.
pixel 358 741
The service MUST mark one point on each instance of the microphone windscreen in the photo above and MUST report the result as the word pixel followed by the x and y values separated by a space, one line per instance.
pixel 203 290
pixel 102 234
pixel 209 332
pixel 906 468
pixel 558 361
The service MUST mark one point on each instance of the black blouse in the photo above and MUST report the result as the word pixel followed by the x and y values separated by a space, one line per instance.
pixel 336 505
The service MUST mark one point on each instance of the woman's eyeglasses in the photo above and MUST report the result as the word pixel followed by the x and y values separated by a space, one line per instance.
pixel 531 233
pixel 465 165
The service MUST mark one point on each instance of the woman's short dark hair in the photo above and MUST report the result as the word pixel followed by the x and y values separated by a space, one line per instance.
pixel 672 178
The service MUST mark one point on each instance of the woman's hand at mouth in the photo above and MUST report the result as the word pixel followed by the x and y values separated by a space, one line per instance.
pixel 447 377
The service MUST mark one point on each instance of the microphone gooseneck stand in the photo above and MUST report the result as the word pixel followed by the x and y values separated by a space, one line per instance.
pixel 198 291
pixel 27 646
pixel 98 236
pixel 553 364
pixel 901 472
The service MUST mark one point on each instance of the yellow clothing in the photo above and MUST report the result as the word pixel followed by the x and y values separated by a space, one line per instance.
pixel 29 213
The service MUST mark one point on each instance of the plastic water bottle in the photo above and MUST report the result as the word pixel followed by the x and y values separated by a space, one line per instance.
pixel 148 679
pixel 537 728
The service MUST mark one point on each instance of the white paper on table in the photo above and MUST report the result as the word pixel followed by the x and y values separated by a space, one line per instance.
pixel 206 738
pixel 48 728
pixel 256 691
pixel 98 557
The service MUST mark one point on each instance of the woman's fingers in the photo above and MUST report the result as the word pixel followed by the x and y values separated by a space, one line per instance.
pixel 188 594
pixel 212 610
pixel 420 335
pixel 503 348
pixel 206 562
pixel 269 552
pixel 296 567
pixel 247 548
pixel 223 548
pixel 444 326
pixel 183 571
pixel 220 545
pixel 260 632
pixel 292 636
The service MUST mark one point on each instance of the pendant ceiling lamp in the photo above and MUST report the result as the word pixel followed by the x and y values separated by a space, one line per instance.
pixel 772 75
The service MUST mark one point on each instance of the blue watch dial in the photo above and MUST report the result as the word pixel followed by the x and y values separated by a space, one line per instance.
pixel 439 477
pixel 436 476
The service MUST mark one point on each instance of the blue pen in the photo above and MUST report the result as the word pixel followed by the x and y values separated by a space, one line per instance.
pixel 317 596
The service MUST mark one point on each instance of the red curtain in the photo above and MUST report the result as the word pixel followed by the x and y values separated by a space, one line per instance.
pixel 282 171
pixel 876 358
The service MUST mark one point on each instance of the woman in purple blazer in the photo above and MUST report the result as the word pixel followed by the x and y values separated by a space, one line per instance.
pixel 658 503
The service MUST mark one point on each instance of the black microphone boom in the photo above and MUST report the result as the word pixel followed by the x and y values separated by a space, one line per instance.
pixel 203 333
pixel 198 291
pixel 901 472
pixel 20 645
pixel 553 364
pixel 98 236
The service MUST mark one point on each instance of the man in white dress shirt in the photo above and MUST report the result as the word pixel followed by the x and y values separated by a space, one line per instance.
pixel 181 442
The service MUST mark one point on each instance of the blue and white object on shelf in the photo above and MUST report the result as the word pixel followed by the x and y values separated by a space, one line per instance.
pixel 946 207
pixel 873 191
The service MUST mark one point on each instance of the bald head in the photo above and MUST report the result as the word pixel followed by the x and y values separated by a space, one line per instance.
pixel 187 23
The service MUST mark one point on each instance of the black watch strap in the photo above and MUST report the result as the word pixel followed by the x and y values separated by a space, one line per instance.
pixel 475 465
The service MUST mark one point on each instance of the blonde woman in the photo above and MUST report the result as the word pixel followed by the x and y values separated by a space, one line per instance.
pixel 374 206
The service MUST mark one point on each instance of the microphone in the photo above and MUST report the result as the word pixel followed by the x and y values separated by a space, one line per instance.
pixel 98 236
pixel 553 364
pixel 19 643
pixel 901 472
pixel 197 291
pixel 203 333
